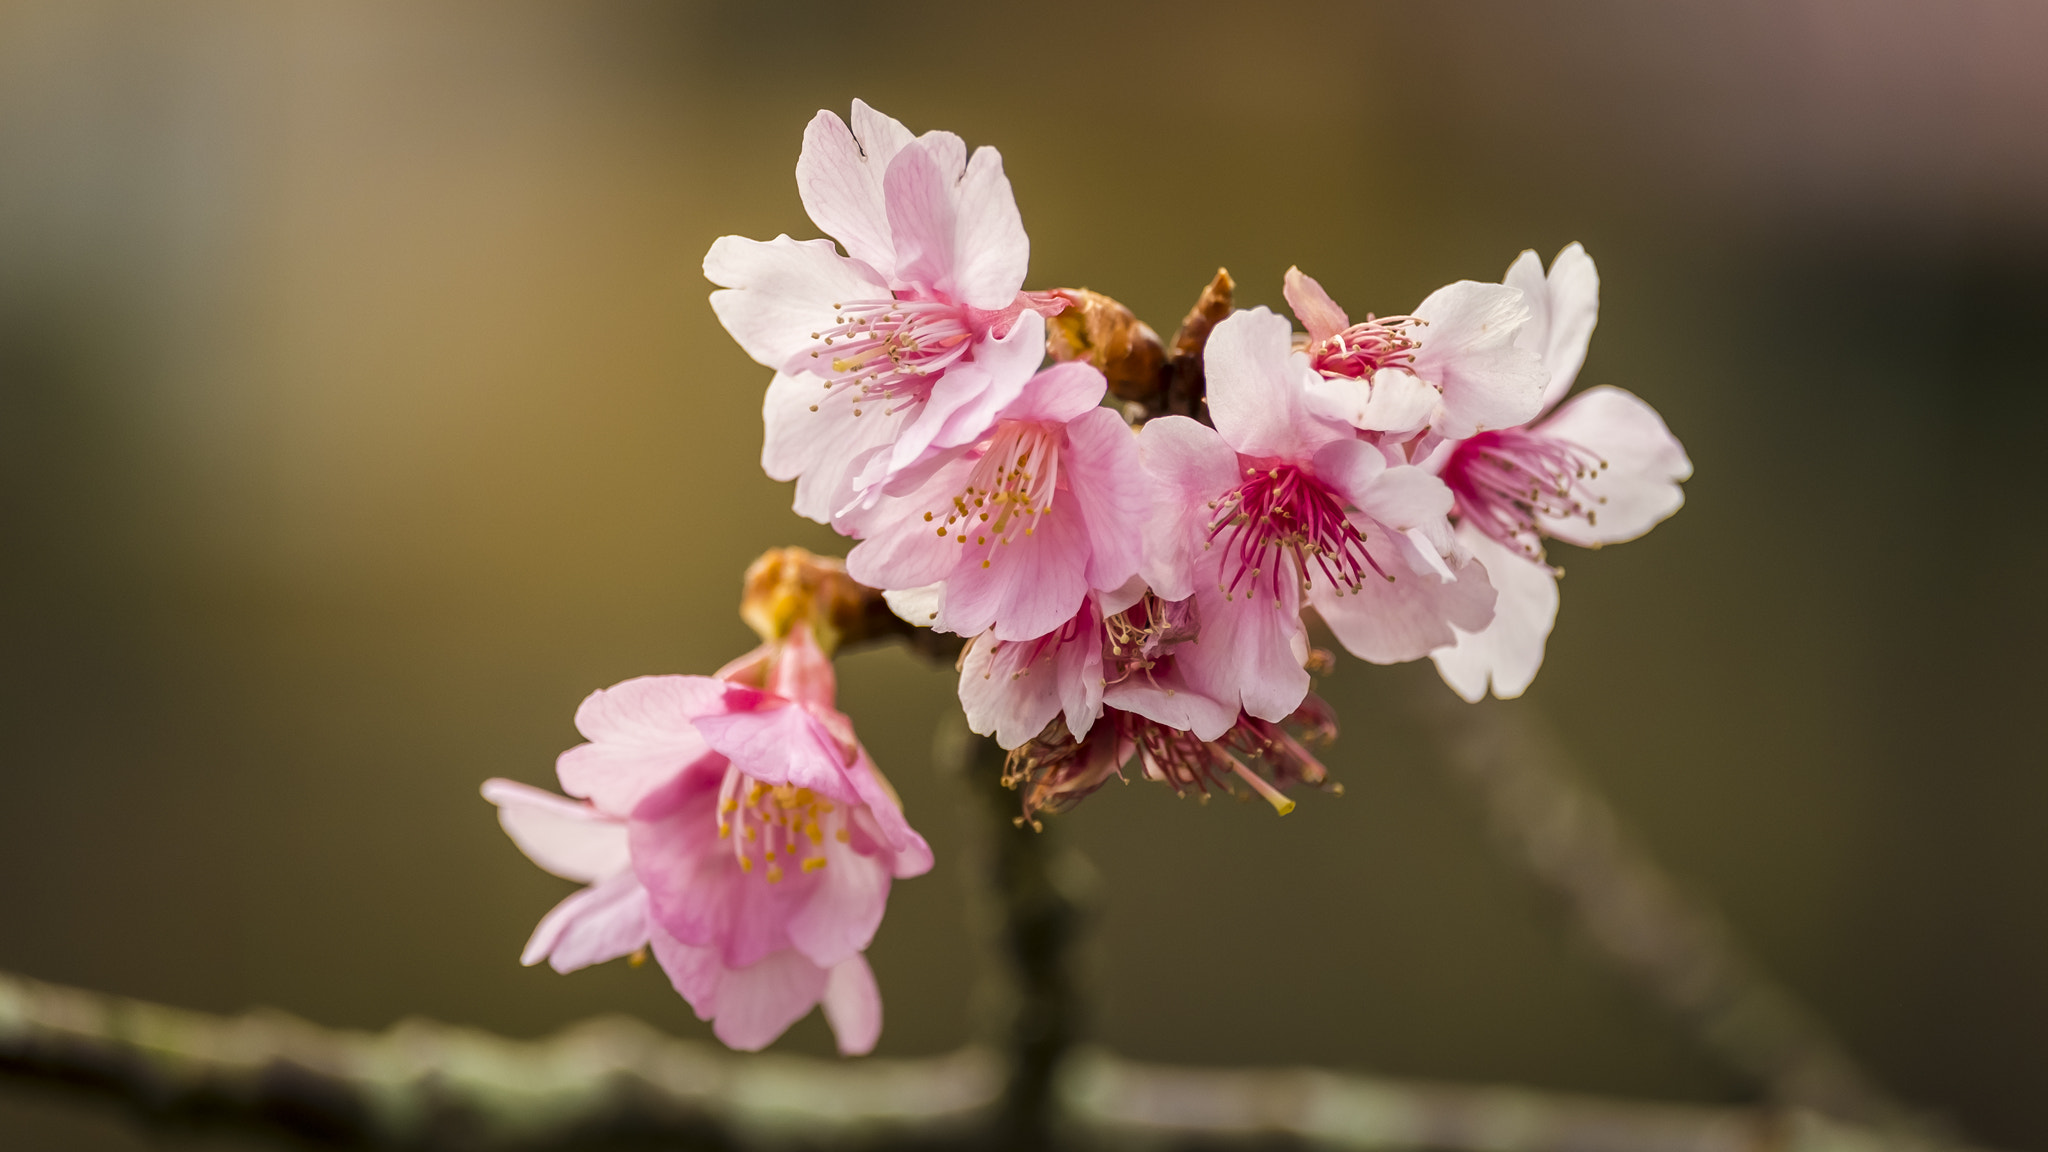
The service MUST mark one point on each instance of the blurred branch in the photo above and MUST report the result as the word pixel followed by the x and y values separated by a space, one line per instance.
pixel 422 1085
pixel 1039 920
pixel 1555 824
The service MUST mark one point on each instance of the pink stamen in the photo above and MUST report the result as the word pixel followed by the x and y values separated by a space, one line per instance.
pixel 1366 347
pixel 1283 513
pixel 1505 480
pixel 890 350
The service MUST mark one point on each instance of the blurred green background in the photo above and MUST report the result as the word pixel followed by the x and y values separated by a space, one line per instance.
pixel 361 410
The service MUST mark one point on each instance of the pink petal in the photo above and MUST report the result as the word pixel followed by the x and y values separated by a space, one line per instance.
pixel 1645 464
pixel 820 443
pixel 1012 689
pixel 902 549
pixel 993 252
pixel 641 738
pixel 923 217
pixel 1080 677
pixel 697 892
pixel 1393 400
pixel 884 810
pixel 775 294
pixel 1350 468
pixel 1405 497
pixel 1388 622
pixel 1166 698
pixel 599 923
pixel 1105 479
pixel 1189 466
pixel 847 899
pixel 1009 361
pixel 782 744
pixel 1250 651
pixel 574 841
pixel 1032 585
pixel 1258 388
pixel 839 178
pixel 1509 650
pixel 1319 314
pixel 1468 350
pixel 802 672
pixel 1058 394
pixel 853 1006
pixel 695 972
pixel 757 1003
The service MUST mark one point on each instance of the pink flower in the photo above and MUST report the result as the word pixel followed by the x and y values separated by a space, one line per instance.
pixel 1279 499
pixel 912 340
pixel 1017 526
pixel 1455 366
pixel 1013 689
pixel 1604 469
pixel 733 824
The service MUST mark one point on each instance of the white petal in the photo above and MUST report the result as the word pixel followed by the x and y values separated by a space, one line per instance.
pixel 1510 649
pixel 1572 305
pixel 776 294
pixel 1645 464
pixel 1468 350
pixel 919 606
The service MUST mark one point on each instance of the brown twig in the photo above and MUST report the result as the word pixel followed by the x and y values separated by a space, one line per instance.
pixel 1552 822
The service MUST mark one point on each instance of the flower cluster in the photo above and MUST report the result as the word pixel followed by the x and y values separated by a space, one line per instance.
pixel 1131 585
pixel 1129 580
pixel 733 825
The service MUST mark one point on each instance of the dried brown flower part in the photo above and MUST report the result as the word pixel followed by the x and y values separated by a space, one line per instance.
pixel 1103 332
pixel 1184 384
pixel 1053 771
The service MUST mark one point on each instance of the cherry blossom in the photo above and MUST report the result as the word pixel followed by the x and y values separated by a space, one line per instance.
pixel 1278 500
pixel 1122 659
pixel 734 825
pixel 1017 527
pixel 1601 470
pixel 907 343
pixel 1455 365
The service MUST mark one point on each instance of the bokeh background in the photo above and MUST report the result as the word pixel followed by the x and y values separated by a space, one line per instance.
pixel 361 410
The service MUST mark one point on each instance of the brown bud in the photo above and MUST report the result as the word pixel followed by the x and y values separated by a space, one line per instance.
pixel 790 584
pixel 1097 329
pixel 1185 386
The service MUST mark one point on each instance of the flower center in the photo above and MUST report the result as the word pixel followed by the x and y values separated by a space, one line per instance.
pixel 1366 347
pixel 1137 639
pixel 890 351
pixel 1504 480
pixel 1284 514
pixel 1262 755
pixel 1010 487
pixel 778 822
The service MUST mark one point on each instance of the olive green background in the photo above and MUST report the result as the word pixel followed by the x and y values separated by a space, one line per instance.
pixel 360 411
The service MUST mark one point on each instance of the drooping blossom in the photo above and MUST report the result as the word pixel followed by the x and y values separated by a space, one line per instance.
pixel 1018 526
pixel 733 824
pixel 1279 500
pixel 1601 470
pixel 1126 660
pixel 911 340
pixel 1454 366
pixel 1058 769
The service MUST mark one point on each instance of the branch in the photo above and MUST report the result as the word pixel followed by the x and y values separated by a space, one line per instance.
pixel 422 1084
pixel 1556 825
